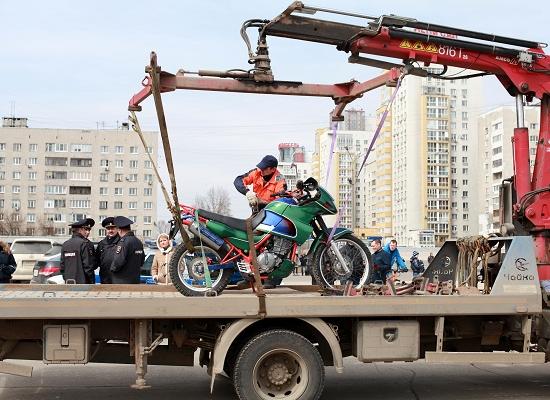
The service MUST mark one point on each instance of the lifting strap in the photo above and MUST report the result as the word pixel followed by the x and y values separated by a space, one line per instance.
pixel 258 287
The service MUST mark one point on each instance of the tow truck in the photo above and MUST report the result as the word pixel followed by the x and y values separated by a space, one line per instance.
pixel 480 300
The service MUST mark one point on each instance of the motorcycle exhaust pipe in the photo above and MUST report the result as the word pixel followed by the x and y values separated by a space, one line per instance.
pixel 207 237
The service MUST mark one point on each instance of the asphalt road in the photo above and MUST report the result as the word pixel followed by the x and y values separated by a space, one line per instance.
pixel 407 381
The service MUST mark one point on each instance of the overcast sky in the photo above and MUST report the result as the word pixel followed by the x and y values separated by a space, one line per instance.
pixel 68 64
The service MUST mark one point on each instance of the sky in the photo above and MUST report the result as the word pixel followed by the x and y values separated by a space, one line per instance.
pixel 69 64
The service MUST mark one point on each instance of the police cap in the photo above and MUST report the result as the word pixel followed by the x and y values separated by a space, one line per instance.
pixel 83 223
pixel 268 161
pixel 108 222
pixel 122 222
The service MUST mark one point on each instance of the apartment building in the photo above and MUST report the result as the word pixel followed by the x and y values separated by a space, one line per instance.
pixel 495 130
pixel 50 178
pixel 294 163
pixel 433 154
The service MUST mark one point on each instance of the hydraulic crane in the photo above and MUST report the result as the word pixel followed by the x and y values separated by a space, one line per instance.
pixel 520 65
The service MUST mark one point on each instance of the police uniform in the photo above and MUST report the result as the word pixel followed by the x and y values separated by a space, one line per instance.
pixel 105 252
pixel 129 255
pixel 78 260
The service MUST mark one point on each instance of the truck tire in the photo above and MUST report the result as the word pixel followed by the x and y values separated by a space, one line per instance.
pixel 279 363
pixel 325 268
pixel 186 270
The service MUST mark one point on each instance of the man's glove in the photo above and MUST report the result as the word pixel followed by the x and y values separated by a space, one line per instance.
pixel 252 199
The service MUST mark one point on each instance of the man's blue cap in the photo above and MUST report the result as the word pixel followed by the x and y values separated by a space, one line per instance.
pixel 122 222
pixel 268 161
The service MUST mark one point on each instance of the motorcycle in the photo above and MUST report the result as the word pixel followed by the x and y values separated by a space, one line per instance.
pixel 221 245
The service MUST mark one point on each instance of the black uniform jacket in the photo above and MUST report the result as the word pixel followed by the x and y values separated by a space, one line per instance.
pixel 105 253
pixel 128 259
pixel 78 260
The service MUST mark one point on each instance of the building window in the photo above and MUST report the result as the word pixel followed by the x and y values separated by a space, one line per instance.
pixel 102 205
pixel 81 162
pixel 2 146
pixel 2 189
pixel 16 160
pixel 465 228
pixel 104 163
pixel 147 192
pixel 133 218
pixel 147 164
pixel 55 189
pixel 57 147
pixel 16 175
pixel 16 205
pixel 133 150
pixel 118 205
pixel 132 192
pixel 79 204
pixel 33 147
pixel 80 190
pixel 31 217
pixel 103 191
pixel 149 150
pixel 16 189
pixel 104 149
pixel 56 161
pixel 2 175
pixel 32 189
pixel 133 164
pixel 148 177
pixel 119 192
pixel 78 217
pixel 148 220
pixel 81 148
pixel 56 174
pixel 17 147
pixel 118 177
pixel 132 178
pixel 102 232
pixel 81 176
pixel 104 177
pixel 2 160
pixel 147 233
pixel 132 205
pixel 33 161
pixel 119 163
pixel 119 149
pixel 148 205
pixel 31 203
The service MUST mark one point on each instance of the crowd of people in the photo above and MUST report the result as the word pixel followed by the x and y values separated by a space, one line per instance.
pixel 387 262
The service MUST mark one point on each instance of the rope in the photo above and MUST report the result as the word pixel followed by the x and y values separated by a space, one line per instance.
pixel 258 287
pixel 473 252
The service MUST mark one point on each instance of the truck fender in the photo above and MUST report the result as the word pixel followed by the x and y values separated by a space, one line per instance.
pixel 224 341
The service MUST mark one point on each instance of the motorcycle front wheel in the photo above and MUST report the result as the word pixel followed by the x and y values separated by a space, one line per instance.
pixel 328 271
pixel 187 271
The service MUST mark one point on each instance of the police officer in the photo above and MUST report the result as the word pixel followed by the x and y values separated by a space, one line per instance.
pixel 106 250
pixel 78 260
pixel 266 180
pixel 129 255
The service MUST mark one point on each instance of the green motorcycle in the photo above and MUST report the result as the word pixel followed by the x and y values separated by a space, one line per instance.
pixel 221 245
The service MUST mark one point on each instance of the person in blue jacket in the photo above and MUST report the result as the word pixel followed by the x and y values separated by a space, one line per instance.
pixel 391 248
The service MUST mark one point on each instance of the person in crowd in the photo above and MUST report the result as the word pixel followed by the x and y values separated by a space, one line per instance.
pixel 106 250
pixel 417 265
pixel 78 260
pixel 381 262
pixel 129 255
pixel 7 263
pixel 430 258
pixel 159 269
pixel 395 257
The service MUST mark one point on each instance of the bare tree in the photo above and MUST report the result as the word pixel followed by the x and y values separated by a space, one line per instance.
pixel 12 224
pixel 216 199
pixel 45 227
pixel 162 226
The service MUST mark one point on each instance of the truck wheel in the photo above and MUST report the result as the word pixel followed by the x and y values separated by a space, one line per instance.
pixel 187 271
pixel 327 271
pixel 279 364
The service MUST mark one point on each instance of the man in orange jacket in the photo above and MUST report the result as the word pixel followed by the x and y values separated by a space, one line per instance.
pixel 266 180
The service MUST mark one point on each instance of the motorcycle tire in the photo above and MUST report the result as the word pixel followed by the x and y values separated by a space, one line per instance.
pixel 186 270
pixel 325 267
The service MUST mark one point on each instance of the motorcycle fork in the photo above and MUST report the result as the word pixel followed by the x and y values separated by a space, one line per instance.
pixel 333 247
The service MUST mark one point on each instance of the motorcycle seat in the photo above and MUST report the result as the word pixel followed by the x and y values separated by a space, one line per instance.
pixel 229 221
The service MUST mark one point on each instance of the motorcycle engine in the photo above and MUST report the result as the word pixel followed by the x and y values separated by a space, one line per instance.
pixel 274 253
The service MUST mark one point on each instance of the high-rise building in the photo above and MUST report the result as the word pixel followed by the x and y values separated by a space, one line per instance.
pixel 433 148
pixel 495 130
pixel 294 163
pixel 50 178
pixel 340 178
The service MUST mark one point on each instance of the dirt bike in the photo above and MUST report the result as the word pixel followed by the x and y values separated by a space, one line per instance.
pixel 221 245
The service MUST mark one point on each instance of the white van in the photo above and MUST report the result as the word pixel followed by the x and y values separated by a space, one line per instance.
pixel 26 251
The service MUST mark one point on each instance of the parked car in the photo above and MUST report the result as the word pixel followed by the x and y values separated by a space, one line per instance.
pixel 26 252
pixel 50 267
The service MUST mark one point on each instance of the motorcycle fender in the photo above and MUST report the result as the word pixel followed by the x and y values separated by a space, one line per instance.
pixel 322 238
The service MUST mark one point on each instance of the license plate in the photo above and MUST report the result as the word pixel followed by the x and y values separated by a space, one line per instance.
pixel 35 272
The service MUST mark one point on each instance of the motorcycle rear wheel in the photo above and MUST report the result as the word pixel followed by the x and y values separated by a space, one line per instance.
pixel 187 271
pixel 326 268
